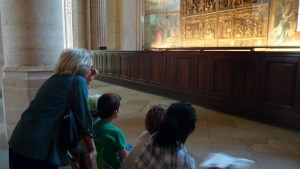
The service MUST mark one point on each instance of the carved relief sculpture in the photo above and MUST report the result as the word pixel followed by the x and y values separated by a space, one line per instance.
pixel 223 4
pixel 225 25
pixel 222 22
pixel 209 23
pixel 243 21
pixel 210 5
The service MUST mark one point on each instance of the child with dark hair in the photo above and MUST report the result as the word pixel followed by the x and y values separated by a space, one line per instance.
pixel 154 118
pixel 109 140
pixel 166 148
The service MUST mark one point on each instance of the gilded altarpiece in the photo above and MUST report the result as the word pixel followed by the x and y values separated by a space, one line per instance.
pixel 218 23
pixel 225 22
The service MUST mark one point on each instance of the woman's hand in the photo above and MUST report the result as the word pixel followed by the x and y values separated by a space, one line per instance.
pixel 93 74
pixel 91 155
pixel 88 159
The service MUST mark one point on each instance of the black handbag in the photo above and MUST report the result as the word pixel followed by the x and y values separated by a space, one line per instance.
pixel 69 130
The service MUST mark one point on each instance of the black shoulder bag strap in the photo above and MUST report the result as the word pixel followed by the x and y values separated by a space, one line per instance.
pixel 75 156
pixel 71 97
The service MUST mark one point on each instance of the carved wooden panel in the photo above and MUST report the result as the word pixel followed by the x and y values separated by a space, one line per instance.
pixel 124 65
pixel 157 70
pixel 250 79
pixel 223 74
pixel 169 68
pixel 116 64
pixel 142 61
pixel 185 74
pixel 98 61
pixel 110 64
pixel 133 66
pixel 297 92
pixel 203 74
pixel 279 82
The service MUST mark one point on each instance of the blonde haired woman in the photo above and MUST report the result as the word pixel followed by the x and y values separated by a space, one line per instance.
pixel 34 142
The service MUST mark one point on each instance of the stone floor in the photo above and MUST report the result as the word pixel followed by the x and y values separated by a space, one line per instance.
pixel 269 146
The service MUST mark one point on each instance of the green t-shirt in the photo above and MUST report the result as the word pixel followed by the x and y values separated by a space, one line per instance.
pixel 112 139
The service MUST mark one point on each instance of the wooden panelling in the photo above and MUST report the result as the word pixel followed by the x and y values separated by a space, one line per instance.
pixel 157 70
pixel 124 65
pixel 263 85
pixel 223 75
pixel 142 63
pixel 202 74
pixel 133 66
pixel 279 82
pixel 185 72
pixel 169 69
pixel 99 61
pixel 110 64
pixel 249 79
pixel 297 92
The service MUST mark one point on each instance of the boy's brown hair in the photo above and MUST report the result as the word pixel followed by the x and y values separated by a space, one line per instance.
pixel 107 104
pixel 155 117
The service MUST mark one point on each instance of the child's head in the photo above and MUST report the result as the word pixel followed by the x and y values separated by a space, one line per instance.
pixel 93 101
pixel 154 117
pixel 108 104
pixel 179 122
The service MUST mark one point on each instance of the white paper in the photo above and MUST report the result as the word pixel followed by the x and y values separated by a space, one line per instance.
pixel 221 160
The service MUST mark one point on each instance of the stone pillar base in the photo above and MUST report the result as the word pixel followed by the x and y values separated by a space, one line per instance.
pixel 20 85
pixel 103 47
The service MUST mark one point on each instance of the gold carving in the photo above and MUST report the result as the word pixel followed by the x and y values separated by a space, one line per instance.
pixel 194 28
pixel 225 22
pixel 209 23
pixel 223 4
pixel 225 25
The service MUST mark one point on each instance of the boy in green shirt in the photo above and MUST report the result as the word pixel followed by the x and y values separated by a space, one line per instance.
pixel 109 140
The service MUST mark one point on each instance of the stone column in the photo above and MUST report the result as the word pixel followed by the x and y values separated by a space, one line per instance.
pixel 98 22
pixel 88 25
pixel 102 25
pixel 32 33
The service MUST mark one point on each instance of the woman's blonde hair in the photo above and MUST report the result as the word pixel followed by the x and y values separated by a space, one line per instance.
pixel 75 61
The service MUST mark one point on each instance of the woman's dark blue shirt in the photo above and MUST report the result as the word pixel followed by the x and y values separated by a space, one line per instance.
pixel 36 134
